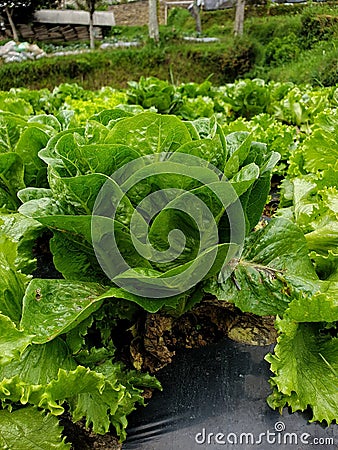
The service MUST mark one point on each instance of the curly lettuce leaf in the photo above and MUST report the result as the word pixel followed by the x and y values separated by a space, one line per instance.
pixel 103 396
pixel 320 150
pixel 113 404
pixel 11 102
pixel 313 201
pixel 320 307
pixel 305 365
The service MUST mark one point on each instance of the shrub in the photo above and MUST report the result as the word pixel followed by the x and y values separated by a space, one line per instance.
pixel 282 50
pixel 180 19
pixel 326 73
pixel 315 66
pixel 317 27
pixel 241 58
pixel 267 28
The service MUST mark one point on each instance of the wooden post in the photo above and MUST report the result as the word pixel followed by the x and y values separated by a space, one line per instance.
pixel 195 12
pixel 239 18
pixel 91 25
pixel 153 21
pixel 12 25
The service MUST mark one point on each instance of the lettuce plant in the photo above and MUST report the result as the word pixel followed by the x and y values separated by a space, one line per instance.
pixel 153 92
pixel 148 212
pixel 309 325
pixel 48 320
pixel 80 162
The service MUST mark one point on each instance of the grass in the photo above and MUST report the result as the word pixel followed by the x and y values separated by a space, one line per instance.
pixel 185 61
pixel 267 50
pixel 317 66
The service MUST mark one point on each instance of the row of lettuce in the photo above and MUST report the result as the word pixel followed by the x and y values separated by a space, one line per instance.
pixel 279 114
pixel 58 149
pixel 289 103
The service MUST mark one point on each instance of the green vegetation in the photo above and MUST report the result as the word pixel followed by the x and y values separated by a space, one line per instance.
pixel 298 46
pixel 116 67
pixel 233 107
pixel 56 156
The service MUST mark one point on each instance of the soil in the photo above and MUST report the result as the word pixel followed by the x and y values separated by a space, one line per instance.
pixel 159 336
pixel 272 205
pixel 82 439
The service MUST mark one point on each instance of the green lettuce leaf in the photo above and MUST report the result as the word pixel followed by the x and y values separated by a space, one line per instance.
pixel 30 429
pixel 12 282
pixel 71 156
pixel 60 305
pixel 31 141
pixel 11 181
pixel 274 266
pixel 13 342
pixel 252 155
pixel 210 149
pixel 50 154
pixel 79 192
pixel 320 307
pixel 324 238
pixel 238 146
pixel 11 126
pixel 108 116
pixel 15 104
pixel 23 231
pixel 326 265
pixel 53 307
pixel 39 364
pixel 305 365
pixel 102 396
pixel 320 150
pixel 150 133
pixel 82 264
pixel 50 122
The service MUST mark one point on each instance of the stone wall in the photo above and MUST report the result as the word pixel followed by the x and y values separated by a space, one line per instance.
pixel 135 13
